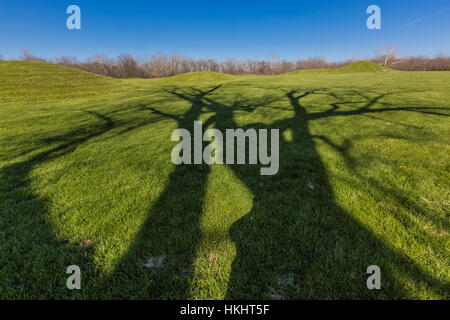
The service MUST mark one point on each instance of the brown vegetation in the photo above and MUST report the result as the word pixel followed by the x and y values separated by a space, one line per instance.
pixel 158 66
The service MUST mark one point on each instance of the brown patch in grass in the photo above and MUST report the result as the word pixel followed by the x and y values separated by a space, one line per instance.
pixel 212 257
pixel 87 243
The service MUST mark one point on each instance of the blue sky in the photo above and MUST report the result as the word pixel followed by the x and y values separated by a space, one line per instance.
pixel 223 28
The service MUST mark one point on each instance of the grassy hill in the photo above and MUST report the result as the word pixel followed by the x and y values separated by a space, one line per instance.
pixel 363 66
pixel 356 67
pixel 202 76
pixel 86 179
pixel 35 81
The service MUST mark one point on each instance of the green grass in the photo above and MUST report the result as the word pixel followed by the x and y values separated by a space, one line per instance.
pixel 364 66
pixel 83 157
pixel 357 67
pixel 201 76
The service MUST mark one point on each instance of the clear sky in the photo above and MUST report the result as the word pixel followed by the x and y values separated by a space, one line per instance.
pixel 223 28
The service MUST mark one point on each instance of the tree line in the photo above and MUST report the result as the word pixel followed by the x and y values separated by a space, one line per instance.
pixel 159 66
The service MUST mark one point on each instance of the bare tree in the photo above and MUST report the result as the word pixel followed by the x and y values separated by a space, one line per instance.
pixel 388 54
pixel 29 57
pixel 313 63
pixel 420 63
pixel 128 66
pixel 157 66
pixel 274 65
pixel 286 66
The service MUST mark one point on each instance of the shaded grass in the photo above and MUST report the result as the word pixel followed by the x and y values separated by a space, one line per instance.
pixel 97 167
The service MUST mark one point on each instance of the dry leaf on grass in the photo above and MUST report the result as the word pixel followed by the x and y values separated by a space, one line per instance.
pixel 212 257
pixel 87 243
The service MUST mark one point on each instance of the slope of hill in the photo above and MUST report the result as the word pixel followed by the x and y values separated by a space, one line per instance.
pixel 310 71
pixel 31 81
pixel 356 67
pixel 201 76
pixel 363 66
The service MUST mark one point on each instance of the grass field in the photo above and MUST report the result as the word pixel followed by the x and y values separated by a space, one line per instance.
pixel 86 179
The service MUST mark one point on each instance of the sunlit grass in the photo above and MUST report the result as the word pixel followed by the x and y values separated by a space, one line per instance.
pixel 86 179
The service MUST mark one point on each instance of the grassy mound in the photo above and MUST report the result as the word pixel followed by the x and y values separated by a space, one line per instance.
pixel 201 76
pixel 363 66
pixel 360 66
pixel 310 71
pixel 29 80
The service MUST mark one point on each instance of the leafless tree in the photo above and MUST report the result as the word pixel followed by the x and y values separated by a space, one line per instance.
pixel 286 66
pixel 28 57
pixel 156 66
pixel 313 63
pixel 419 63
pixel 388 54
pixel 274 65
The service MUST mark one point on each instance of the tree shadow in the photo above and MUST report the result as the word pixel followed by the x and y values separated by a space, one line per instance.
pixel 169 237
pixel 35 257
pixel 295 243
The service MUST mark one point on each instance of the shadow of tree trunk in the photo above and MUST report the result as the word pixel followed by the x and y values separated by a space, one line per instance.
pixel 296 242
pixel 171 233
pixel 36 260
